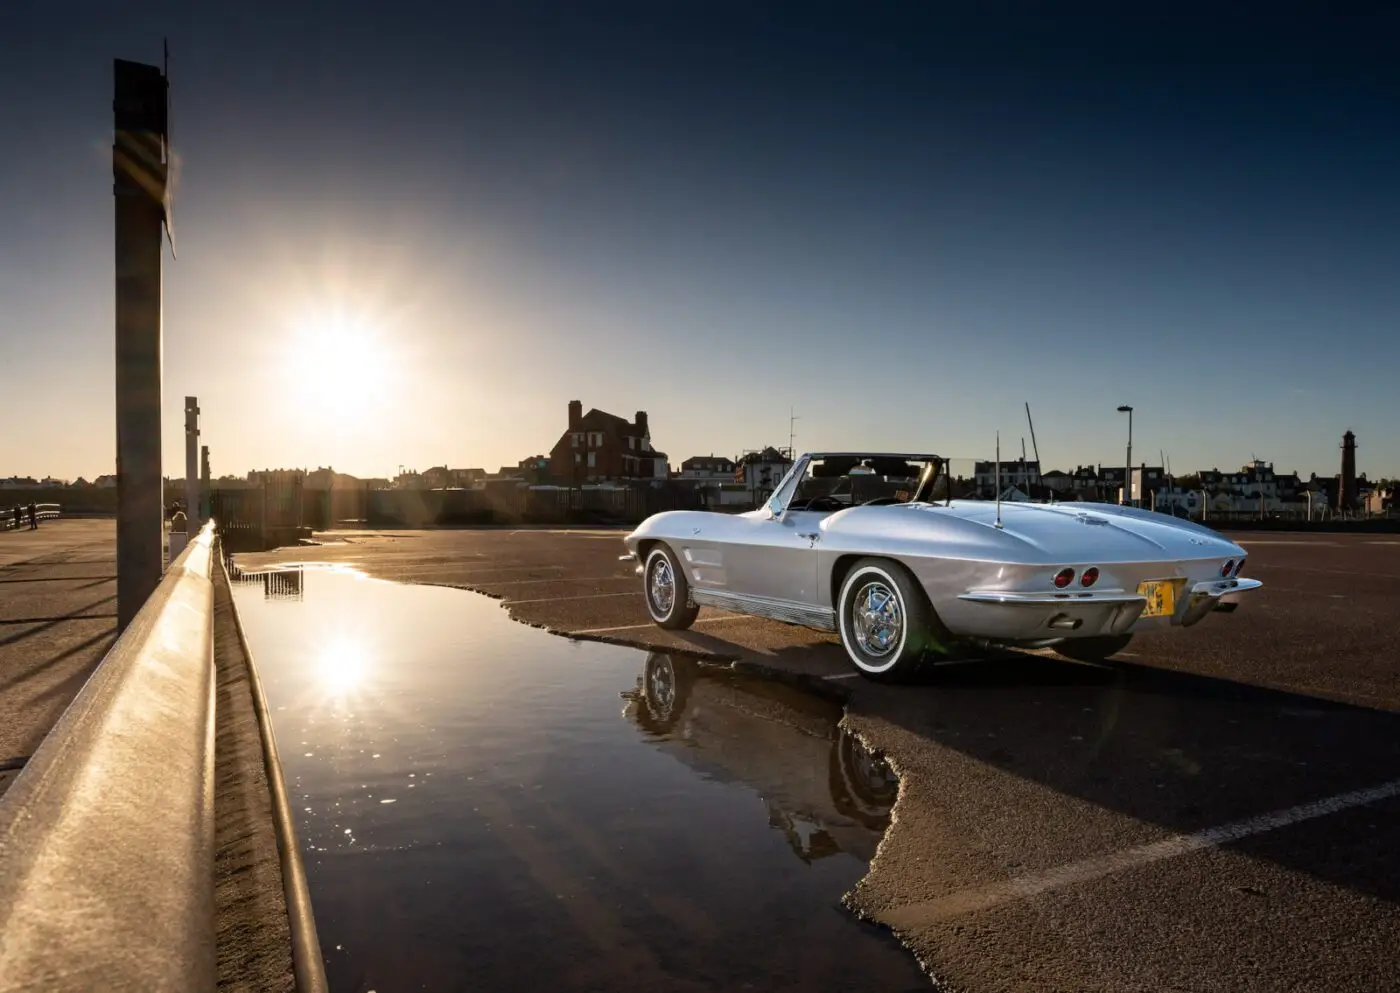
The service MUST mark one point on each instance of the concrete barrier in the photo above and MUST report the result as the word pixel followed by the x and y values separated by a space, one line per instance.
pixel 107 836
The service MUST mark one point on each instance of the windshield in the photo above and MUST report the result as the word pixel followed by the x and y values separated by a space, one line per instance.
pixel 831 483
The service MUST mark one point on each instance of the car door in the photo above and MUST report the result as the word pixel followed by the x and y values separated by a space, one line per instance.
pixel 774 554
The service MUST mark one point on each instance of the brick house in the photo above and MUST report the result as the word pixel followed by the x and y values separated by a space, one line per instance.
pixel 598 446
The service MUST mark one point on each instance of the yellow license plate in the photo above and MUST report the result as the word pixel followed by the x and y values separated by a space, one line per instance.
pixel 1161 597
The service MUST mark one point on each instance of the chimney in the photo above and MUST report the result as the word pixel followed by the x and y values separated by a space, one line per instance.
pixel 1346 486
pixel 642 423
pixel 575 414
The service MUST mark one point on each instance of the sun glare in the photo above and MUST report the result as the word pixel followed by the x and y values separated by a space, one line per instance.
pixel 342 665
pixel 341 365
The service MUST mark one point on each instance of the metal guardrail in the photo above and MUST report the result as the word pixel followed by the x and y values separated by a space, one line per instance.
pixel 107 836
pixel 43 512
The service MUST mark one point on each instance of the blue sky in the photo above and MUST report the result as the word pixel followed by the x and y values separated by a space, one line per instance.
pixel 410 233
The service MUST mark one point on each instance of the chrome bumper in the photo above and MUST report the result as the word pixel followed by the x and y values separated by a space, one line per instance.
pixel 630 557
pixel 1207 596
pixel 1038 599
pixel 1049 613
pixel 1031 615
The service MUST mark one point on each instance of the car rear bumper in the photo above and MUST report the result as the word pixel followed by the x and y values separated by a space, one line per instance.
pixel 1027 616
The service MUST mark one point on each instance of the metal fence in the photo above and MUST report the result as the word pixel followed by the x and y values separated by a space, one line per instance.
pixel 42 512
pixel 518 504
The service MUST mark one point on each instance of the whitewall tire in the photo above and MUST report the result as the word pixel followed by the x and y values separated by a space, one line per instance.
pixel 666 590
pixel 884 620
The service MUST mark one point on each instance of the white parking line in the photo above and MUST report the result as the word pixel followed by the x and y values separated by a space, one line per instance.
pixel 1317 544
pixel 556 579
pixel 467 572
pixel 638 627
pixel 1331 572
pixel 971 901
pixel 587 596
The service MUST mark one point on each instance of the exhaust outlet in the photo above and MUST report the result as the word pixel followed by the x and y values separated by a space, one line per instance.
pixel 1063 622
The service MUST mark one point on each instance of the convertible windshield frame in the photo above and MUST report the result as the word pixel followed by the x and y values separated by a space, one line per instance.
pixel 782 496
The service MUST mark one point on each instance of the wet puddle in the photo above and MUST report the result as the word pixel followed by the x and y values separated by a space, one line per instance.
pixel 482 805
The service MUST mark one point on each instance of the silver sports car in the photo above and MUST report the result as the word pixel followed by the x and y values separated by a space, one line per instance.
pixel 865 545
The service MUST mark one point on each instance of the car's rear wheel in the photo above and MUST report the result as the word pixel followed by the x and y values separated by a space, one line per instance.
pixel 667 591
pixel 1094 649
pixel 885 621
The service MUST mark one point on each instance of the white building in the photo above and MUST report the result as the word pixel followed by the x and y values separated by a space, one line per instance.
pixel 1014 472
pixel 715 467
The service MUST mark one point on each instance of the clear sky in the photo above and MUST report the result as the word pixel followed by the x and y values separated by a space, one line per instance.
pixel 411 232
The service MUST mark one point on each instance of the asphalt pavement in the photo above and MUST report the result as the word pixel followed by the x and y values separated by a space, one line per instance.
pixel 58 617
pixel 1213 810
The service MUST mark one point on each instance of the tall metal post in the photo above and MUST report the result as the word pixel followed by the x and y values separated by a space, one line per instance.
pixel 139 170
pixel 206 496
pixel 193 511
pixel 1128 465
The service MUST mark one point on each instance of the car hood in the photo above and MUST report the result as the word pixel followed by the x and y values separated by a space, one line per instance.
pixel 1103 532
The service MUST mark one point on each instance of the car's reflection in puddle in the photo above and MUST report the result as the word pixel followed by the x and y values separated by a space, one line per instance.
pixel 474 813
pixel 825 791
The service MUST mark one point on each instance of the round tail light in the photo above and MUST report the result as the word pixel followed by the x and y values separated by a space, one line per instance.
pixel 1090 577
pixel 1239 568
pixel 1225 569
pixel 1063 578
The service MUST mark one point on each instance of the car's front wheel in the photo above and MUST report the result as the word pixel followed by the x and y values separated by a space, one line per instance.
pixel 667 591
pixel 1094 649
pixel 885 620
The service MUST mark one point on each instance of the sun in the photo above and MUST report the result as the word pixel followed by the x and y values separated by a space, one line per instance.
pixel 340 364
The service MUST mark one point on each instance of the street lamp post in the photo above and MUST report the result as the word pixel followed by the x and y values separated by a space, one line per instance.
pixel 1128 466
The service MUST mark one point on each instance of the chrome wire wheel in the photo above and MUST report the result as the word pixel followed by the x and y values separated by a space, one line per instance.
pixel 885 620
pixel 661 689
pixel 877 619
pixel 661 587
pixel 666 590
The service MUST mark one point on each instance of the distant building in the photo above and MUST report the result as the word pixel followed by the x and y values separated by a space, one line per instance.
pixel 1014 472
pixel 708 467
pixel 436 478
pixel 760 471
pixel 1084 481
pixel 1111 480
pixel 1058 480
pixel 276 477
pixel 601 446
pixel 440 477
pixel 328 479
pixel 533 469
pixel 1147 479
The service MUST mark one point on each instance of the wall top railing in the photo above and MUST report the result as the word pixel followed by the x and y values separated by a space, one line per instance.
pixel 107 836
pixel 42 511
